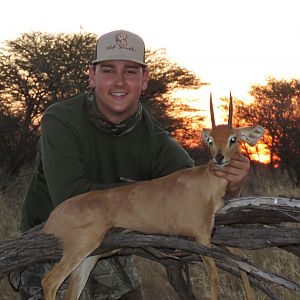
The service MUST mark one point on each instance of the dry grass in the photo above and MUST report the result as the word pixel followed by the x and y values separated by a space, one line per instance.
pixel 262 182
pixel 10 213
pixel 155 284
pixel 277 261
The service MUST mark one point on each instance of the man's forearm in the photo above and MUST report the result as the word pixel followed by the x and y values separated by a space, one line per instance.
pixel 233 190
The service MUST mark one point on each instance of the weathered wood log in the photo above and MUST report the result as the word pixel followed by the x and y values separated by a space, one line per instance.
pixel 177 281
pixel 259 210
pixel 254 282
pixel 257 236
pixel 251 223
pixel 180 285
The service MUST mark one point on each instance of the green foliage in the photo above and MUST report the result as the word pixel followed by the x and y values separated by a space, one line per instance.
pixel 16 148
pixel 38 69
pixel 276 108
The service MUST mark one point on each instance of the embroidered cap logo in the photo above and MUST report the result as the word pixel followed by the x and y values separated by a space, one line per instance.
pixel 121 40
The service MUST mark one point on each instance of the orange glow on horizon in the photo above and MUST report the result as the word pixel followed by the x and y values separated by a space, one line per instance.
pixel 193 111
pixel 261 153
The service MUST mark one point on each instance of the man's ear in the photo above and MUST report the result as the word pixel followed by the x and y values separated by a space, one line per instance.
pixel 251 134
pixel 146 75
pixel 92 79
pixel 205 134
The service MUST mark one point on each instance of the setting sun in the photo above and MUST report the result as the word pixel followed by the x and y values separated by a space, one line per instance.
pixel 199 117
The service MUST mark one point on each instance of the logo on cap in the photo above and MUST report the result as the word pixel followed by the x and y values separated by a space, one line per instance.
pixel 121 40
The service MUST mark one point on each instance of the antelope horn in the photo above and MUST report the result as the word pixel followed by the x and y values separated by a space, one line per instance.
pixel 230 112
pixel 212 116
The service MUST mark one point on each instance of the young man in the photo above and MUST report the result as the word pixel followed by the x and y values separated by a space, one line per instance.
pixel 102 139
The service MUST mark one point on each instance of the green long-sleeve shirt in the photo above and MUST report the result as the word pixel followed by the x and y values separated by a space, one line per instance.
pixel 75 157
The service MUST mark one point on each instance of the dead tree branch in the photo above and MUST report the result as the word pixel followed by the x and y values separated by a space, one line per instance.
pixel 250 223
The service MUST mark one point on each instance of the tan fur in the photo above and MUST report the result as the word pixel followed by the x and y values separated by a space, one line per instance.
pixel 183 203
pixel 177 204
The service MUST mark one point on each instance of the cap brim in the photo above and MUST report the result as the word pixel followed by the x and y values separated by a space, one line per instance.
pixel 118 58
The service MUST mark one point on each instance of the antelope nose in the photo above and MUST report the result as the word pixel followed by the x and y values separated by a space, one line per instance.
pixel 219 158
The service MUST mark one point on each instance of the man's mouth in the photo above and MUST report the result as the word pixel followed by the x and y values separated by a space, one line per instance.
pixel 119 94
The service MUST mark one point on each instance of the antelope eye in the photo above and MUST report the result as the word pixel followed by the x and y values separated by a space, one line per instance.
pixel 209 141
pixel 233 140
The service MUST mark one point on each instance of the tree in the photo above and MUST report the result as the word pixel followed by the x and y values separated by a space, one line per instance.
pixel 38 69
pixel 276 108
pixel 165 76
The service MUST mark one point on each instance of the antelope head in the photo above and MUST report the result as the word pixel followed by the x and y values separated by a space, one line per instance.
pixel 223 140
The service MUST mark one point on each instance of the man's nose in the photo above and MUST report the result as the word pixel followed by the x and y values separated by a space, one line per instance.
pixel 119 78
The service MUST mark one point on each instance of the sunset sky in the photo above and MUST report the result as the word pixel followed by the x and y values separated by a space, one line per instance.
pixel 230 44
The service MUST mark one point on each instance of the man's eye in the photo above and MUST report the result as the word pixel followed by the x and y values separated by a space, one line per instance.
pixel 131 71
pixel 107 70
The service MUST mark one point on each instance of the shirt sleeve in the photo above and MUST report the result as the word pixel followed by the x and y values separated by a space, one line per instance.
pixel 170 157
pixel 62 161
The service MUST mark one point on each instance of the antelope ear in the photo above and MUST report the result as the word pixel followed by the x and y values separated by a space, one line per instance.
pixel 251 134
pixel 205 134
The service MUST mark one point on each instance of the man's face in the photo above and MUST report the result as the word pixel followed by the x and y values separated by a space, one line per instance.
pixel 118 85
